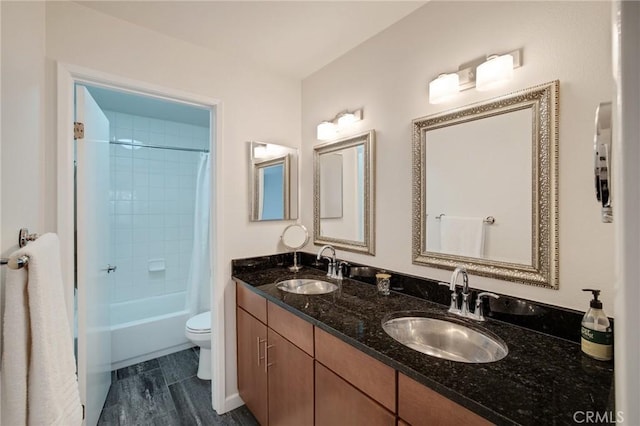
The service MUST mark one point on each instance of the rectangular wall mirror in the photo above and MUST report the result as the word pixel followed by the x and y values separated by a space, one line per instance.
pixel 343 193
pixel 485 188
pixel 273 182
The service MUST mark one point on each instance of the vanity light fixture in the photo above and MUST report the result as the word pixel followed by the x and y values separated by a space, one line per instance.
pixel 329 129
pixel 494 72
pixel 267 150
pixel 443 88
pixel 483 73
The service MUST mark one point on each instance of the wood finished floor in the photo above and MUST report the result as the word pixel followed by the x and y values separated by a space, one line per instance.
pixel 165 392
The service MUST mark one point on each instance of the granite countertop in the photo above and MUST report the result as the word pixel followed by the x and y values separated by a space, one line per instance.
pixel 543 379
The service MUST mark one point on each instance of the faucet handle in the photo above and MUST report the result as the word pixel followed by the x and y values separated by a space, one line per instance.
pixel 341 265
pixel 478 315
pixel 453 307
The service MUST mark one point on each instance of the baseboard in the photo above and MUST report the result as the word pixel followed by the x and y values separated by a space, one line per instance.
pixel 232 402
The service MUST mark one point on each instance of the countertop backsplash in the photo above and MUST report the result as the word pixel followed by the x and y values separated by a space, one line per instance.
pixel 553 320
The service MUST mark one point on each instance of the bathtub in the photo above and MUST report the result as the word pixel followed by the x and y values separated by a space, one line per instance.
pixel 147 328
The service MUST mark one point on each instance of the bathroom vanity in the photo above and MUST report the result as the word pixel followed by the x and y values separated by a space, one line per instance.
pixel 324 359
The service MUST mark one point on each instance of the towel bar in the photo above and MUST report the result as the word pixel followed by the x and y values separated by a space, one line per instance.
pixel 23 238
pixel 490 220
pixel 20 262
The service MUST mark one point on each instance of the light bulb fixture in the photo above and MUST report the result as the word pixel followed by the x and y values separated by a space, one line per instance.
pixel 260 151
pixel 496 71
pixel 443 88
pixel 267 150
pixel 483 73
pixel 329 129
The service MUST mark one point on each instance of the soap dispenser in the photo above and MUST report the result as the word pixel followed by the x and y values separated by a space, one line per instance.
pixel 597 336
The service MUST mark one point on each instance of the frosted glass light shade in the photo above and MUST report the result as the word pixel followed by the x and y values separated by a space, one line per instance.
pixel 260 151
pixel 346 119
pixel 326 131
pixel 494 72
pixel 443 88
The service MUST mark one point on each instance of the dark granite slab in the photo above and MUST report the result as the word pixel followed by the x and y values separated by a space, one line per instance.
pixel 543 379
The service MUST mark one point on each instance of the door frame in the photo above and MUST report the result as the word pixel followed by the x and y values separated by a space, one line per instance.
pixel 67 76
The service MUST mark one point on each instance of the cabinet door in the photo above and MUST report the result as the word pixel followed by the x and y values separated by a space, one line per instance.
pixel 252 370
pixel 290 383
pixel 418 404
pixel 339 403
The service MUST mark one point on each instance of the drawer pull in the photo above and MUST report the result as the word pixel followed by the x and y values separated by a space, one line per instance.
pixel 266 354
pixel 259 340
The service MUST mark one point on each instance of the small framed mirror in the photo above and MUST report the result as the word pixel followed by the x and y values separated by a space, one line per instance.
pixel 485 188
pixel 273 181
pixel 344 193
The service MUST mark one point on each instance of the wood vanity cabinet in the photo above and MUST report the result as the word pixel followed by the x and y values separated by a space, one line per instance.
pixel 252 379
pixel 339 403
pixel 275 377
pixel 280 355
pixel 419 405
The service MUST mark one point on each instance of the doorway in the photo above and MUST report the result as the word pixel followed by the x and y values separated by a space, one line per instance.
pixel 152 165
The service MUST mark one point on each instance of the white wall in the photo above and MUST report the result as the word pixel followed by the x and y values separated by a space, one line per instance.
pixel 388 76
pixel 256 105
pixel 22 117
pixel 23 82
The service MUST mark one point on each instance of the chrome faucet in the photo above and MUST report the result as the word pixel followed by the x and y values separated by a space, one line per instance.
pixel 463 310
pixel 332 266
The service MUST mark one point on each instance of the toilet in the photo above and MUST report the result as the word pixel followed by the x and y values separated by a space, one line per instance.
pixel 198 330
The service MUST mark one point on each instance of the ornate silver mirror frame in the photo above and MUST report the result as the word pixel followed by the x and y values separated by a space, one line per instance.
pixel 365 219
pixel 273 184
pixel 543 268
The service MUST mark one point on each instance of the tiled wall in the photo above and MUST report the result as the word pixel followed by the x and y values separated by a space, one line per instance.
pixel 152 204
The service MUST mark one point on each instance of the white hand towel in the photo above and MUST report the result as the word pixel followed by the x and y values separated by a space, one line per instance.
pixel 462 236
pixel 39 383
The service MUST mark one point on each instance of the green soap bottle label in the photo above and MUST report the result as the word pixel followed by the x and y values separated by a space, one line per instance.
pixel 599 337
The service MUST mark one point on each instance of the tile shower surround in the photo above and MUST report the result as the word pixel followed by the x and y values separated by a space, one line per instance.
pixel 152 195
pixel 543 380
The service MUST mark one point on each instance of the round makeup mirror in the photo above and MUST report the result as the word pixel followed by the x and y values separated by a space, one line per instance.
pixel 294 237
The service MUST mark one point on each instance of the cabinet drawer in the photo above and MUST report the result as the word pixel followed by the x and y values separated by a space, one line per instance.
pixel 339 403
pixel 365 373
pixel 251 302
pixel 417 404
pixel 296 330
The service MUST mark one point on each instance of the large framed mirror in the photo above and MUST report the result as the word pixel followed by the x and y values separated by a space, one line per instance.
pixel 273 182
pixel 485 188
pixel 344 193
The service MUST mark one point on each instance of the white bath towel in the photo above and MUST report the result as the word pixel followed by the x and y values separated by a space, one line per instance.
pixel 463 236
pixel 39 382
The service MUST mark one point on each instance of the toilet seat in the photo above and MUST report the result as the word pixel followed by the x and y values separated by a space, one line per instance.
pixel 200 324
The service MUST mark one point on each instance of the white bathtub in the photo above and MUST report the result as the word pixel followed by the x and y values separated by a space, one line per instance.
pixel 147 328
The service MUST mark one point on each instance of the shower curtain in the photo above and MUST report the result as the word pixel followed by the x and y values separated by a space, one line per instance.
pixel 200 268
